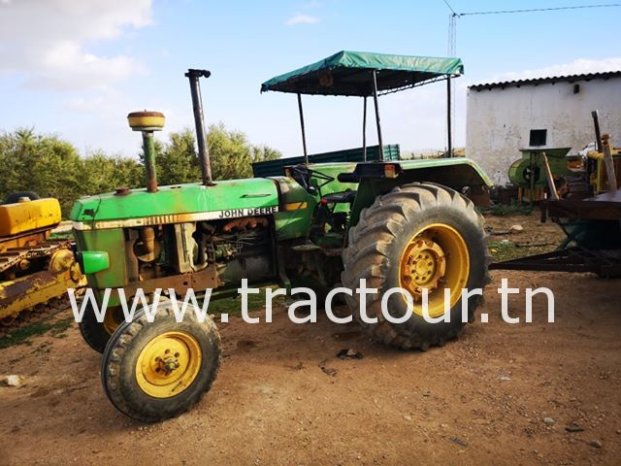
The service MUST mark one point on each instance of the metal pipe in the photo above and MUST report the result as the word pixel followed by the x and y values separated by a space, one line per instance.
pixel 598 134
pixel 449 122
pixel 364 130
pixel 303 129
pixel 199 121
pixel 148 147
pixel 377 117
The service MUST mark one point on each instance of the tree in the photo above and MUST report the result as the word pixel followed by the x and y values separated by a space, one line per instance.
pixel 176 160
pixel 230 153
pixel 52 167
pixel 103 173
pixel 264 153
pixel 43 164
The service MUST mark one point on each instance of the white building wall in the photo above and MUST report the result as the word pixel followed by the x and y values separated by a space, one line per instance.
pixel 499 120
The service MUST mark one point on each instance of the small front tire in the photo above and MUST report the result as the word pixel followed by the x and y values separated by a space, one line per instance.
pixel 152 371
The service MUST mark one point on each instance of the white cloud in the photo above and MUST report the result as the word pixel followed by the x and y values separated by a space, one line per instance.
pixel 578 66
pixel 300 18
pixel 47 41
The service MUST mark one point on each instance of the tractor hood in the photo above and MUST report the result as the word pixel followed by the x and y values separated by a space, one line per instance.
pixel 173 204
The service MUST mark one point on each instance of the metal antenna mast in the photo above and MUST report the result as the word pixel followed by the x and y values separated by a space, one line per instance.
pixel 452 51
pixel 452 33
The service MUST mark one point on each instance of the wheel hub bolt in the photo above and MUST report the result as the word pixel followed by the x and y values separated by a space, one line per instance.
pixel 167 365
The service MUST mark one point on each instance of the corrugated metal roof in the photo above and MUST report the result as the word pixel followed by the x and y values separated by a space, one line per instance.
pixel 552 79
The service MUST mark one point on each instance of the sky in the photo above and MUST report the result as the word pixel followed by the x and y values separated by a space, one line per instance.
pixel 75 68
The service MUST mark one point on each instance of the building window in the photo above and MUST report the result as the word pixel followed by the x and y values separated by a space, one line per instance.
pixel 538 137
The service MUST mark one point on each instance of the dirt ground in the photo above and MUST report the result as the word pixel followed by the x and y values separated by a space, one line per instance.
pixel 501 394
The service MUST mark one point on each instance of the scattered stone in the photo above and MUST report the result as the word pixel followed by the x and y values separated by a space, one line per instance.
pixel 348 353
pixel 298 367
pixel 549 421
pixel 517 228
pixel 12 380
pixel 458 441
pixel 595 444
pixel 327 370
pixel 573 427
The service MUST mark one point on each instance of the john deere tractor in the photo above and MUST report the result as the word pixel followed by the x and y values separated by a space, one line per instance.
pixel 322 220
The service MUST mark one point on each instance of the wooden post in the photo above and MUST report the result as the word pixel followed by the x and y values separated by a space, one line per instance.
pixel 549 177
pixel 609 163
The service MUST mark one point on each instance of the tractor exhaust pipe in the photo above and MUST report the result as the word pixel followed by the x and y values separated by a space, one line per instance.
pixel 199 121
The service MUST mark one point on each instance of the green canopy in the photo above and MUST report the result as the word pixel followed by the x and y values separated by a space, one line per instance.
pixel 348 73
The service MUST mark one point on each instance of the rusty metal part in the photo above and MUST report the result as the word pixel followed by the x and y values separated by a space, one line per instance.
pixel 206 278
pixel 14 256
pixel 36 313
pixel 245 224
pixel 34 276
pixel 148 248
pixel 605 206
pixel 24 240
pixel 146 120
pixel 604 263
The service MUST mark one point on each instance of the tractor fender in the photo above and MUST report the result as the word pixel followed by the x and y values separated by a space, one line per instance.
pixel 376 179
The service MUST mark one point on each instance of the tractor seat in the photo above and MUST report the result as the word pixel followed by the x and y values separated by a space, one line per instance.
pixel 345 196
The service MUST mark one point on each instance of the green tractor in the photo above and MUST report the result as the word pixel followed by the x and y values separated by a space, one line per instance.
pixel 325 221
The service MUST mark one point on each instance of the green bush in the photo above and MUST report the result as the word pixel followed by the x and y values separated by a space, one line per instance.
pixel 52 167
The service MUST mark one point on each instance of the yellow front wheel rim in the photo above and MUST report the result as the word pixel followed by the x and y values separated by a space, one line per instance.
pixel 435 258
pixel 168 364
pixel 112 320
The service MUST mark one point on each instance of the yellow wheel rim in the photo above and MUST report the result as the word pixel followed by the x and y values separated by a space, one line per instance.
pixel 112 320
pixel 168 364
pixel 435 258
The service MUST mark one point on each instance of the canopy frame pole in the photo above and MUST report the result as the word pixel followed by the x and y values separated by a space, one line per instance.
pixel 303 128
pixel 377 118
pixel 364 129
pixel 449 122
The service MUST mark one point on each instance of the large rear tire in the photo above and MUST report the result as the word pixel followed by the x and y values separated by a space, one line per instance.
pixel 158 370
pixel 417 236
